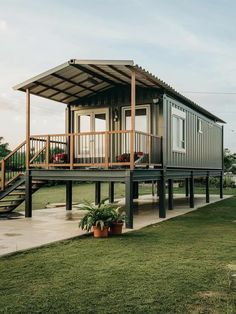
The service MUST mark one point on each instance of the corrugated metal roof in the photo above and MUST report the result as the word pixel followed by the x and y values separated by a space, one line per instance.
pixel 76 79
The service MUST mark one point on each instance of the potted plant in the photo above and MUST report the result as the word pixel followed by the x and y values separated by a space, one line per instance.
pixel 97 218
pixel 118 217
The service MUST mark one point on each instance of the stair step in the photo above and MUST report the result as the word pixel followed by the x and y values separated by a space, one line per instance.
pixel 23 187
pixel 13 200
pixel 7 206
pixel 16 193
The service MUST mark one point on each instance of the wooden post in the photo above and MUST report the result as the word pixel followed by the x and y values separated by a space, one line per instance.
pixel 2 174
pixel 129 199
pixel 69 195
pixel 222 185
pixel 186 187
pixel 111 192
pixel 68 131
pixel 106 147
pixel 97 192
pixel 207 189
pixel 162 197
pixel 191 199
pixel 47 151
pixel 28 194
pixel 149 150
pixel 170 194
pixel 27 151
pixel 71 146
pixel 132 134
pixel 68 119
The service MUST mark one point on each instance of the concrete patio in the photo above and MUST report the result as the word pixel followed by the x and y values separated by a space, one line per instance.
pixel 55 224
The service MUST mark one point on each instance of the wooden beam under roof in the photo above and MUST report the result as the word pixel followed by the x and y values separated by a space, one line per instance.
pixel 74 83
pixel 101 77
pixel 57 89
pixel 108 74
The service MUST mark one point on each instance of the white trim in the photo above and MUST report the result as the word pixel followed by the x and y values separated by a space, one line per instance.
pixel 199 125
pixel 92 113
pixel 147 107
pixel 181 115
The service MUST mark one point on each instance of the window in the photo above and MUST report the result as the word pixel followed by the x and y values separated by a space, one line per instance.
pixel 178 130
pixel 199 125
pixel 142 118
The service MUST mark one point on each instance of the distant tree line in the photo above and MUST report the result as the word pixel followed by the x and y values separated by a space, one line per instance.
pixel 229 161
pixel 4 148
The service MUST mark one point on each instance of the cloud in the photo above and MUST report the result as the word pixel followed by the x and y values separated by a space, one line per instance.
pixel 3 26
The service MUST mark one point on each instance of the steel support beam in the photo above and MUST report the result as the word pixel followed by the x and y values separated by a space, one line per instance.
pixel 97 192
pixel 69 195
pixel 186 187
pixel 170 194
pixel 221 185
pixel 111 192
pixel 28 195
pixel 135 190
pixel 129 199
pixel 162 197
pixel 207 190
pixel 191 199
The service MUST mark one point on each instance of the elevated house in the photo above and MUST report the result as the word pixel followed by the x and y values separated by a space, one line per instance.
pixel 123 124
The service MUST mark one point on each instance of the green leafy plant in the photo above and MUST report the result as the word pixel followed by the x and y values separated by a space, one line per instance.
pixel 118 215
pixel 97 215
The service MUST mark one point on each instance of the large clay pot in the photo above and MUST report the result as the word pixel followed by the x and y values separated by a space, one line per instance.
pixel 98 233
pixel 116 228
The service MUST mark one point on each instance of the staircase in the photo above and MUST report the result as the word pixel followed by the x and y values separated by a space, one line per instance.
pixel 12 180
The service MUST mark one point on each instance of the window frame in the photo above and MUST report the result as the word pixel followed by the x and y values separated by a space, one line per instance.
pixel 180 116
pixel 148 117
pixel 199 125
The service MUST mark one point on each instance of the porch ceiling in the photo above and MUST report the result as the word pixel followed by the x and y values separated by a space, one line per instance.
pixel 76 79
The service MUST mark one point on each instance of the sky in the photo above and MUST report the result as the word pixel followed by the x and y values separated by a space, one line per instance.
pixel 189 44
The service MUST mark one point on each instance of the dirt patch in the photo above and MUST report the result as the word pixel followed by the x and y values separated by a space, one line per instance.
pixel 202 309
pixel 232 267
pixel 210 294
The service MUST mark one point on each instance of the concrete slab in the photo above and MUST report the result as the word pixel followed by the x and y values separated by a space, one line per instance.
pixel 55 224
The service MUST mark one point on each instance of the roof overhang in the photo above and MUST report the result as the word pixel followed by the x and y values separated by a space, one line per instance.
pixel 76 79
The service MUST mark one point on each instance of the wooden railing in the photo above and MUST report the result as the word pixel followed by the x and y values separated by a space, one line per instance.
pixel 13 165
pixel 95 149
pixel 81 150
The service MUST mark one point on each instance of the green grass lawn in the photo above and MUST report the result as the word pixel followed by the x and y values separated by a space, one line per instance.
pixel 86 191
pixel 81 192
pixel 178 266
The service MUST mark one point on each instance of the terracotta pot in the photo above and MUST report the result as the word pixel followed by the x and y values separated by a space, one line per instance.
pixel 98 233
pixel 116 228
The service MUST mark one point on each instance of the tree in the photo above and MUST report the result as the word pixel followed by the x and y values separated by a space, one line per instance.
pixel 4 150
pixel 229 159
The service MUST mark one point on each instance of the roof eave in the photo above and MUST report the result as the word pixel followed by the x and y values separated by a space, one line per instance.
pixel 22 86
pixel 102 62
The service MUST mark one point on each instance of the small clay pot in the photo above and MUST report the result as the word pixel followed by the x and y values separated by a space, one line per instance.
pixel 116 228
pixel 98 233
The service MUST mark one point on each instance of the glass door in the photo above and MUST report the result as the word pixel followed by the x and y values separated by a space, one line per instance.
pixel 91 145
pixel 100 125
pixel 84 124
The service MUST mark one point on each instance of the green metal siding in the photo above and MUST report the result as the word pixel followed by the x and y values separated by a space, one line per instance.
pixel 203 150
